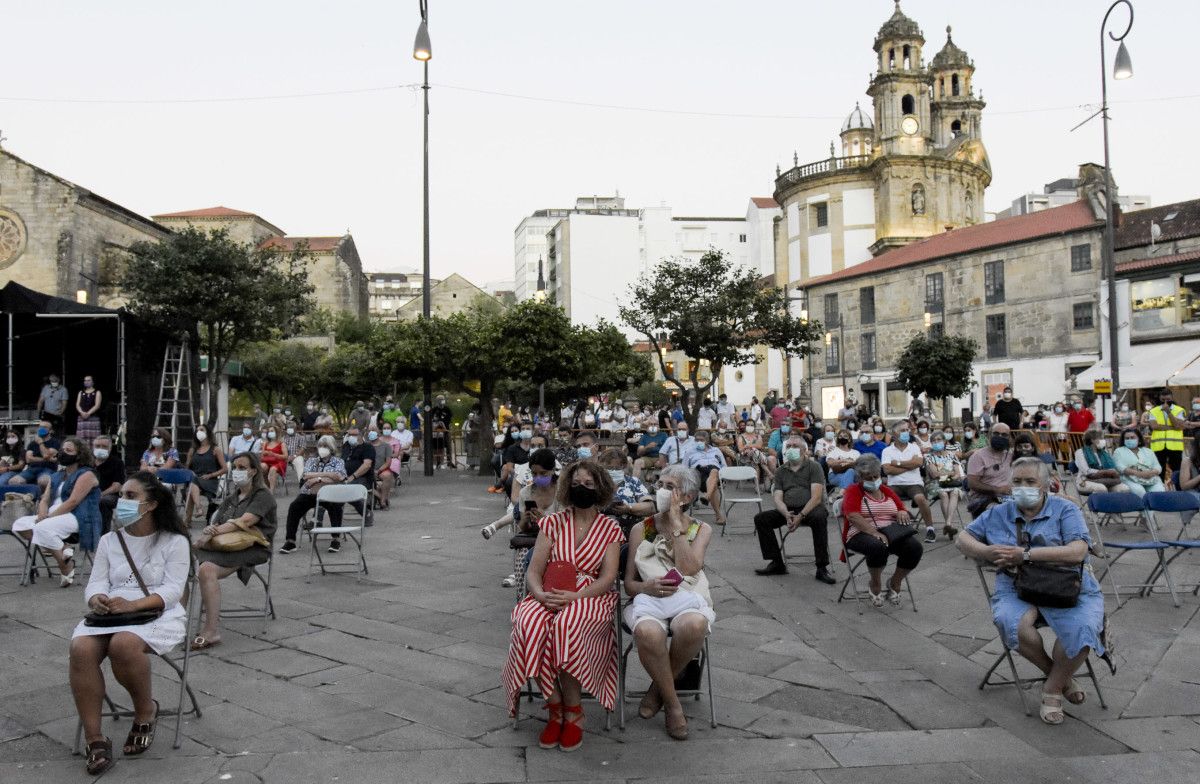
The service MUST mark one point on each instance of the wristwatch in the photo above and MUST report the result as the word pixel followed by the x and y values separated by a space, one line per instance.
pixel 1026 558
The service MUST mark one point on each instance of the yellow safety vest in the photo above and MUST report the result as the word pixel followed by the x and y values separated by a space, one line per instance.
pixel 1170 440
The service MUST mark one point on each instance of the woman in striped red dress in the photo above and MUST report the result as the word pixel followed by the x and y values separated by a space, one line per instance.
pixel 564 640
pixel 868 507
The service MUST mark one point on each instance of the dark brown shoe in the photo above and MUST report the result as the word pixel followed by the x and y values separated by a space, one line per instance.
pixel 775 567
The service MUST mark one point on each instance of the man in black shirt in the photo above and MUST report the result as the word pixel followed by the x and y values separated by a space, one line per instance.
pixel 441 413
pixel 41 456
pixel 309 421
pixel 516 454
pixel 110 471
pixel 799 499
pixel 1008 410
pixel 359 458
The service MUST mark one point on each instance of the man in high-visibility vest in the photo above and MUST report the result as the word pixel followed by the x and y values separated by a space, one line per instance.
pixel 1167 422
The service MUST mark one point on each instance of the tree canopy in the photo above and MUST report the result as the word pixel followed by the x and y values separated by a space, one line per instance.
pixel 223 293
pixel 938 367
pixel 712 310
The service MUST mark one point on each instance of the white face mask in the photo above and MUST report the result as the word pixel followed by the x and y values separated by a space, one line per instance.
pixel 156 441
pixel 201 436
pixel 240 477
pixel 291 431
pixel 1101 443
pixel 323 451
pixel 271 434
pixel 101 453
pixel 662 499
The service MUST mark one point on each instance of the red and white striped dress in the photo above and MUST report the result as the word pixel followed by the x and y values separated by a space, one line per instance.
pixel 579 639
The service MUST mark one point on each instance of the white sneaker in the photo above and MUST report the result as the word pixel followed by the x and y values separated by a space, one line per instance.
pixel 510 581
pixel 488 530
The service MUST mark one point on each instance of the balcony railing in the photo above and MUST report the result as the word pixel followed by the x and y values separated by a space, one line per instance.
pixel 803 172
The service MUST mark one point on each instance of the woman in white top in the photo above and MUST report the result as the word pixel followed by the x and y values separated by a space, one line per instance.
pixel 669 541
pixel 146 519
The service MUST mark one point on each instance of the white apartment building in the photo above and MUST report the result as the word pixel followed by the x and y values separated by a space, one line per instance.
pixel 1065 191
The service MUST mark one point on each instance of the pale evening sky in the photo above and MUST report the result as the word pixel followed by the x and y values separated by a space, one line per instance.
pixel 320 165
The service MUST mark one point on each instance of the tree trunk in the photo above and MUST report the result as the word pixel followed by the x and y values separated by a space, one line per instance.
pixel 484 433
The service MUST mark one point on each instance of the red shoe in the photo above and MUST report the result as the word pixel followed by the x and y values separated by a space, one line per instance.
pixel 572 730
pixel 554 726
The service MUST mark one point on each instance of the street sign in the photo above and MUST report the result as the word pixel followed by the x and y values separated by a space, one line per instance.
pixel 1102 386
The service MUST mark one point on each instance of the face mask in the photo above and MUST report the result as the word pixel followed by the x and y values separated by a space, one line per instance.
pixel 291 431
pixel 12 440
pixel 402 427
pixel 1026 497
pixel 201 436
pixel 905 437
pixel 681 434
pixel 702 445
pixel 662 499
pixel 526 435
pixel 584 452
pixel 1148 406
pixel 543 481
pixel 948 435
pixel 617 476
pixel 1058 409
pixel 652 430
pixel 101 453
pixel 324 412
pixel 582 497
pixel 969 433
pixel 87 384
pixel 65 459
pixel 999 443
pixel 54 385
pixel 277 411
pixel 829 435
pixel 126 512
pixel 1077 406
pixel 1124 406
pixel 1131 443
pixel 922 430
pixel 387 431
pixel 310 407
pixel 1196 406
pixel 865 437
pixel 791 455
pixel 785 428
pixel 878 428
pixel 352 440
pixel 938 446
pixel 843 442
pixel 240 477
pixel 1008 395
pixel 872 484
pixel 156 441
pixel 852 427
pixel 43 432
pixel 247 432
pixel 323 451
pixel 271 434
pixel 372 435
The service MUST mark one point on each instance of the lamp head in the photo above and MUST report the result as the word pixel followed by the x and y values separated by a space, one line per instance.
pixel 422 49
pixel 1122 67
pixel 828 338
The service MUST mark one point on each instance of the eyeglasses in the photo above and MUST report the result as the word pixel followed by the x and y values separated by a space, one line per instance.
pixel 588 483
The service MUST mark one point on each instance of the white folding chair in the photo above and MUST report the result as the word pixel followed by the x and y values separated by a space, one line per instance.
pixel 736 475
pixel 178 663
pixel 346 495
pixel 268 608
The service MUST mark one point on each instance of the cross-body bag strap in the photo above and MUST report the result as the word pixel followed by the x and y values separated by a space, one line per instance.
pixel 133 567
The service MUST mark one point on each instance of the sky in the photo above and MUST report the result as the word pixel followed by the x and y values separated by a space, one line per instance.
pixel 158 106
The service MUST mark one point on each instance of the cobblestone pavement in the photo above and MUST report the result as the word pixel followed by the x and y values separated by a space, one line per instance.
pixel 396 678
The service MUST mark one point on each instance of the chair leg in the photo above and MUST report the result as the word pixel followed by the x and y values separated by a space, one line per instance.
pixel 1017 681
pixel 1095 683
pixel 712 706
pixel 911 598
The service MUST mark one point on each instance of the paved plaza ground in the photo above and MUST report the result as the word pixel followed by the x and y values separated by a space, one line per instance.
pixel 396 678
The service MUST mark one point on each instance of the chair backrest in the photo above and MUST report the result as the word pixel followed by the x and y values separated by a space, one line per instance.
pixel 738 473
pixel 341 494
pixel 175 476
pixel 1171 501
pixel 1114 503
pixel 25 489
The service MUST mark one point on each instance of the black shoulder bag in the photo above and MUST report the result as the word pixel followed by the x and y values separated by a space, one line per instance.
pixel 895 532
pixel 1046 584
pixel 134 618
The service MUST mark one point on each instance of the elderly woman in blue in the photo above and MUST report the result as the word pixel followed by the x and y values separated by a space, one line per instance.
pixel 1057 534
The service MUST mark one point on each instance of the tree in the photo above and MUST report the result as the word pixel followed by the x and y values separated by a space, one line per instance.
pixel 938 367
pixel 223 293
pixel 280 371
pixel 711 310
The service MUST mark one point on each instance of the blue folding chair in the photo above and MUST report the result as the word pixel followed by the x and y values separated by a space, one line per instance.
pixel 1184 504
pixel 175 478
pixel 1107 508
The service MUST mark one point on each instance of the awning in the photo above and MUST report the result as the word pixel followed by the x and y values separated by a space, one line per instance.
pixel 1151 365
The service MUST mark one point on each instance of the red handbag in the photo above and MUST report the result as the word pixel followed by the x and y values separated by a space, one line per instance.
pixel 559 576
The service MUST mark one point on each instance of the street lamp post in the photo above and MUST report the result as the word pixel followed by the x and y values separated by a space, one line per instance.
pixel 423 51
pixel 841 328
pixel 1122 69
pixel 540 296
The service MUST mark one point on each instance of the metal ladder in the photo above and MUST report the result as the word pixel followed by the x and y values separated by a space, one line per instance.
pixel 175 412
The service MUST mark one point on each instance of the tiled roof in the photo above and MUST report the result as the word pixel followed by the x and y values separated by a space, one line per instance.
pixel 765 202
pixel 209 212
pixel 1133 229
pixel 1138 265
pixel 1058 220
pixel 315 244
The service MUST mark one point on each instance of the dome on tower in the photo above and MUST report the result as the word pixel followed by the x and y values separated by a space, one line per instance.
pixel 950 56
pixel 858 119
pixel 898 26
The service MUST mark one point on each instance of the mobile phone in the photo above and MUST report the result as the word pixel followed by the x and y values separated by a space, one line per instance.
pixel 531 505
pixel 673 577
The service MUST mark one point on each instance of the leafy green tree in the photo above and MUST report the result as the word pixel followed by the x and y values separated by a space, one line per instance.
pixel 938 367
pixel 712 310
pixel 225 294
pixel 280 371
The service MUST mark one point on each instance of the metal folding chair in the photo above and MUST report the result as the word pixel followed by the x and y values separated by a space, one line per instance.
pixel 736 475
pixel 1179 502
pixel 346 495
pixel 1108 508
pixel 268 608
pixel 178 663
pixel 853 562
pixel 1006 656
pixel 177 479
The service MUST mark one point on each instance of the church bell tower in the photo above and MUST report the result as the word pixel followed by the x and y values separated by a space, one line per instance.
pixel 901 88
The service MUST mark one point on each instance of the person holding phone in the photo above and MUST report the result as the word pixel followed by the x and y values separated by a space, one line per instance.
pixel 665 576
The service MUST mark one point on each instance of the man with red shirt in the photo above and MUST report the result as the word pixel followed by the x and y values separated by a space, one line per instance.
pixel 1080 418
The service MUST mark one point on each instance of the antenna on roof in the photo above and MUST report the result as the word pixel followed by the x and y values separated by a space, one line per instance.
pixel 3 138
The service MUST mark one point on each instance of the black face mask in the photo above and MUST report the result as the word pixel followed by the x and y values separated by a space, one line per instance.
pixel 1000 443
pixel 582 497
pixel 843 441
pixel 65 459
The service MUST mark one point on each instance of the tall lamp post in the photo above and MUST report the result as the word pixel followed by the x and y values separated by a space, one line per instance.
pixel 423 51
pixel 841 328
pixel 540 296
pixel 1122 69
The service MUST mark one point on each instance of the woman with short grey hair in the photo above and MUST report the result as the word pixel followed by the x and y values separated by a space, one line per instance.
pixel 665 576
pixel 869 510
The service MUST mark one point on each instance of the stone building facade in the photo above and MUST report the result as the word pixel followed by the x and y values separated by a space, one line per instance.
pixel 453 294
pixel 60 238
pixel 1025 287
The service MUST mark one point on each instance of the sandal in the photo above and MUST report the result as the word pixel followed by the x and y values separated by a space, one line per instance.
pixel 99 756
pixel 876 598
pixel 651 703
pixel 572 728
pixel 554 726
pixel 67 579
pixel 200 643
pixel 141 735
pixel 894 597
pixel 1051 710
pixel 1074 693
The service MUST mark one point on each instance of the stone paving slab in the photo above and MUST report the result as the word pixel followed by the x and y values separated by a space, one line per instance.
pixel 923 746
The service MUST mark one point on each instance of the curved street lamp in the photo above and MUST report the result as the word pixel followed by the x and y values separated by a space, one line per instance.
pixel 423 51
pixel 1122 69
